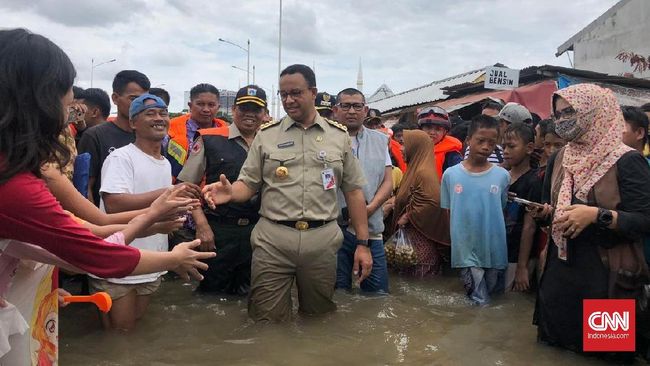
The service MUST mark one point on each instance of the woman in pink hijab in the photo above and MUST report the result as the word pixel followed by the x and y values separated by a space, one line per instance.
pixel 597 197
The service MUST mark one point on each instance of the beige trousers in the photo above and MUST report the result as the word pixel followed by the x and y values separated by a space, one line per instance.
pixel 282 254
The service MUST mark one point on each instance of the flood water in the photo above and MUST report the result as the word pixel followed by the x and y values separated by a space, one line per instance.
pixel 422 322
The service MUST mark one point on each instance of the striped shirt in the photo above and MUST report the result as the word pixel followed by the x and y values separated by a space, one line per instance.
pixel 496 157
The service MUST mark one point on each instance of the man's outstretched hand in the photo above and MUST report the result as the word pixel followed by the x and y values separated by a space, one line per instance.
pixel 218 193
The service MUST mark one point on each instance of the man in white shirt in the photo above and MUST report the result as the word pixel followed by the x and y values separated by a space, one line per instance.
pixel 135 174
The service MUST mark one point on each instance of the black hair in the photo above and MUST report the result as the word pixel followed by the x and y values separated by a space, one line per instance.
pixel 536 119
pixel 645 107
pixel 491 104
pixel 95 97
pixel 203 88
pixel 460 131
pixel 303 70
pixel 350 91
pixel 77 92
pixel 482 121
pixel 521 130
pixel 35 74
pixel 635 117
pixel 456 120
pixel 547 126
pixel 160 93
pixel 398 127
pixel 124 77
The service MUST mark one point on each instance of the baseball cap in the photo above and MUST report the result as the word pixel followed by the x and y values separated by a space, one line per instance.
pixel 435 116
pixel 138 104
pixel 251 94
pixel 514 113
pixel 324 101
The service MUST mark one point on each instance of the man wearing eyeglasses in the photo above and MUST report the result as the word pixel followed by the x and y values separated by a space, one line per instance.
pixel 371 148
pixel 447 149
pixel 223 150
pixel 298 164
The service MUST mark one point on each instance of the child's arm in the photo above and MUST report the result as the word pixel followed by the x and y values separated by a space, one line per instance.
pixel 120 202
pixel 526 245
pixel 104 231
pixel 73 201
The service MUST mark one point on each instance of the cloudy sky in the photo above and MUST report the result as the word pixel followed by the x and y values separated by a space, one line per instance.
pixel 404 43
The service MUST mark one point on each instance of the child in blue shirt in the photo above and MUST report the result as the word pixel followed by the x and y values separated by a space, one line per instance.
pixel 476 192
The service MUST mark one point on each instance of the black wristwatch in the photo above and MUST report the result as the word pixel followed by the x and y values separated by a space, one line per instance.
pixel 365 243
pixel 605 218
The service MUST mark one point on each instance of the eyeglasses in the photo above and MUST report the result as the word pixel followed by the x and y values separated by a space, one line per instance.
pixel 294 94
pixel 356 106
pixel 566 113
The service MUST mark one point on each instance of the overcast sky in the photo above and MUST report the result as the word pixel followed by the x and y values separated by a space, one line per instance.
pixel 404 43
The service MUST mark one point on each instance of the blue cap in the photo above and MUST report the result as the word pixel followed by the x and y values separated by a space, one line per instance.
pixel 138 104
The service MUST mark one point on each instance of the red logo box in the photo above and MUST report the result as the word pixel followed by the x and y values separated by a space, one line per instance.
pixel 608 325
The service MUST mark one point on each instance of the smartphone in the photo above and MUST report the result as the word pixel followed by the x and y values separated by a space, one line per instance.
pixel 528 203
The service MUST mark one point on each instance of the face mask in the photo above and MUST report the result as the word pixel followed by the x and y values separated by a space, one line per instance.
pixel 568 129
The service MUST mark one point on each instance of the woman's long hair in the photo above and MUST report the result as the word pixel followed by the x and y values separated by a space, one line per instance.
pixel 35 74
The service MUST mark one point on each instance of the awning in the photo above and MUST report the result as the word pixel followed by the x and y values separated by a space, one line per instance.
pixel 536 97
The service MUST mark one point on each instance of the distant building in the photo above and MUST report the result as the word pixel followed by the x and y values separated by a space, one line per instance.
pixel 226 100
pixel 624 28
pixel 360 78
pixel 382 92
pixel 186 100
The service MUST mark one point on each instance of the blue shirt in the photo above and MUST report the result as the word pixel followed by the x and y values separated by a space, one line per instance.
pixel 476 202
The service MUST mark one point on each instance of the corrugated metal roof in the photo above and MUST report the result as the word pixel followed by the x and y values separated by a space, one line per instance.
pixel 426 93
pixel 382 92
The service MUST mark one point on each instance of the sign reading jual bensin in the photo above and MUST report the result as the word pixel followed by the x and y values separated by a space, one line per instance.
pixel 608 325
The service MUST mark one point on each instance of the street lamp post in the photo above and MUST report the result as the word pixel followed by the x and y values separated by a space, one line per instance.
pixel 93 66
pixel 239 68
pixel 248 55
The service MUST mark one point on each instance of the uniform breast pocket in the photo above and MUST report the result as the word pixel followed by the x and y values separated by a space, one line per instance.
pixel 281 167
pixel 334 160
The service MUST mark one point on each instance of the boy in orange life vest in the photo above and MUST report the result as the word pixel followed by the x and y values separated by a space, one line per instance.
pixel 447 149
pixel 203 107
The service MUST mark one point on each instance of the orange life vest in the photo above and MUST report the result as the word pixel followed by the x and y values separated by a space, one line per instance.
pixel 396 151
pixel 440 150
pixel 178 144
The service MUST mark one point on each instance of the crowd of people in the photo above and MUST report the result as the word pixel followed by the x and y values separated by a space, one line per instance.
pixel 252 206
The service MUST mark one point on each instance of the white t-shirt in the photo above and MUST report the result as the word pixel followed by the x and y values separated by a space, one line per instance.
pixel 130 170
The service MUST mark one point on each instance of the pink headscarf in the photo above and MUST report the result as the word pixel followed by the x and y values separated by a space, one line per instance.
pixel 590 156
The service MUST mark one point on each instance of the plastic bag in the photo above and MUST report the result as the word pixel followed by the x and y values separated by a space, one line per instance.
pixel 399 250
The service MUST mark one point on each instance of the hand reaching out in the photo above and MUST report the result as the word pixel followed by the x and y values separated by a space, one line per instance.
pixel 218 193
pixel 171 204
pixel 190 260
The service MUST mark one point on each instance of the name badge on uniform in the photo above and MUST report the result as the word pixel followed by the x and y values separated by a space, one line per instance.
pixel 329 180
pixel 285 144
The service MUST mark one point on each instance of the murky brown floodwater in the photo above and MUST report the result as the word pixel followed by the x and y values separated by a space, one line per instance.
pixel 423 322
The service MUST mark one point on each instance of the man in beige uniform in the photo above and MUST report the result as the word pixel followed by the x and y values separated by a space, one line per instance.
pixel 297 164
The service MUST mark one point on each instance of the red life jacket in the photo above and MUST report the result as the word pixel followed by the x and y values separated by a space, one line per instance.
pixel 396 151
pixel 440 150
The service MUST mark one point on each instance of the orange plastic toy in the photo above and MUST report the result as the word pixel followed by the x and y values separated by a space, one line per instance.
pixel 101 299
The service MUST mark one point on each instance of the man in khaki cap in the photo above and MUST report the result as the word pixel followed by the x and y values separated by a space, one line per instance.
pixel 223 150
pixel 297 164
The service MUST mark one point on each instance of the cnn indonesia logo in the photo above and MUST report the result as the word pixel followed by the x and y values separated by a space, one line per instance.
pixel 608 325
